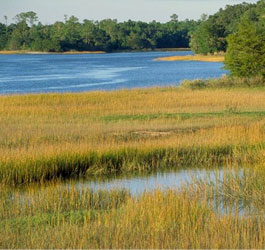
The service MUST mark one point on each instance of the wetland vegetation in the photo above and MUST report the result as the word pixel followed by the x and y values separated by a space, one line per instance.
pixel 48 138
pixel 48 142
pixel 57 136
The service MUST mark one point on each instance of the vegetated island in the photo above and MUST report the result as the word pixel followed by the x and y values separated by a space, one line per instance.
pixel 202 58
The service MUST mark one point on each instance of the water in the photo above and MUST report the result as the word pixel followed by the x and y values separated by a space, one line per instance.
pixel 173 180
pixel 86 72
pixel 139 184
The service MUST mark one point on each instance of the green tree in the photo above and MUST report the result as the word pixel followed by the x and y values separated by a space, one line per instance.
pixel 246 49
pixel 29 17
pixel 106 35
pixel 3 36
pixel 72 33
pixel 174 18
pixel 20 37
pixel 211 34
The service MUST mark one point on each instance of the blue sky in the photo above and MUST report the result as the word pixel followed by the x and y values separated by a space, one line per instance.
pixel 50 11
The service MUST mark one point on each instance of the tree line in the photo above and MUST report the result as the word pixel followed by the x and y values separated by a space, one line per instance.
pixel 239 32
pixel 27 33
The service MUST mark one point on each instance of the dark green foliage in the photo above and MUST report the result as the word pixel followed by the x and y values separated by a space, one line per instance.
pixel 106 35
pixel 246 51
pixel 210 35
pixel 3 36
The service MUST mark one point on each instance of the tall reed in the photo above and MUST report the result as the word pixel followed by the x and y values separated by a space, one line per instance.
pixel 65 217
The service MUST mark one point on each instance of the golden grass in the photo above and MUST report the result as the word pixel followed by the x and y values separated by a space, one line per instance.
pixel 11 52
pixel 40 129
pixel 68 218
pixel 56 136
pixel 202 58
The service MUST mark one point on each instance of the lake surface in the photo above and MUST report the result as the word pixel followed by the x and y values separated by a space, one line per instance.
pixel 86 72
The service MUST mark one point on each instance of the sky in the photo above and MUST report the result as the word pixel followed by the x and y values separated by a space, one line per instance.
pixel 50 11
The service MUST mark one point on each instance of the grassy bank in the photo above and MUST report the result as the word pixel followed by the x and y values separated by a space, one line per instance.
pixel 57 136
pixel 202 58
pixel 48 138
pixel 225 82
pixel 204 216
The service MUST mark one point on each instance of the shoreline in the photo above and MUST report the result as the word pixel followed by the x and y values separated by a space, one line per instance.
pixel 27 52
pixel 200 58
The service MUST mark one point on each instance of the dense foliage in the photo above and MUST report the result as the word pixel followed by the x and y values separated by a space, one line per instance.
pixel 210 36
pixel 246 48
pixel 106 35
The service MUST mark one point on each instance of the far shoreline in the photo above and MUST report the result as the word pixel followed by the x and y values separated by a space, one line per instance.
pixel 28 52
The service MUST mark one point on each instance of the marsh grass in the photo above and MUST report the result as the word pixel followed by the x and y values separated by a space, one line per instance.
pixel 225 82
pixel 245 189
pixel 46 139
pixel 56 216
pixel 58 136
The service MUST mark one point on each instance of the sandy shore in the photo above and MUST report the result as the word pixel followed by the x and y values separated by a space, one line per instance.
pixel 202 58
pixel 14 52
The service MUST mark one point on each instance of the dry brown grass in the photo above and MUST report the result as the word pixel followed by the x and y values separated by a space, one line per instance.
pixel 46 136
pixel 202 58
pixel 36 128
pixel 37 124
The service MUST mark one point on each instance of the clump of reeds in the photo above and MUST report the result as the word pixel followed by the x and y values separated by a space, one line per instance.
pixel 224 82
pixel 67 217
pixel 74 165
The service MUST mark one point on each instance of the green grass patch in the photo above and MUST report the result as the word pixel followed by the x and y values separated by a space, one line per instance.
pixel 182 116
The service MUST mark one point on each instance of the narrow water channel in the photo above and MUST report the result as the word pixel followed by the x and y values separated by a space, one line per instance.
pixel 139 184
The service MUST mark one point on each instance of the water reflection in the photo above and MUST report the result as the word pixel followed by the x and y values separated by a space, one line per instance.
pixel 137 185
pixel 206 183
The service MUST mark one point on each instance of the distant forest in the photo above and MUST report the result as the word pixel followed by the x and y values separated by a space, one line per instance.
pixel 106 35
pixel 210 34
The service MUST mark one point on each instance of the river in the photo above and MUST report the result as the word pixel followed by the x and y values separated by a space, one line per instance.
pixel 44 73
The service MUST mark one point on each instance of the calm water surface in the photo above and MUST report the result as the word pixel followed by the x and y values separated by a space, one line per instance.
pixel 173 180
pixel 139 184
pixel 86 72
